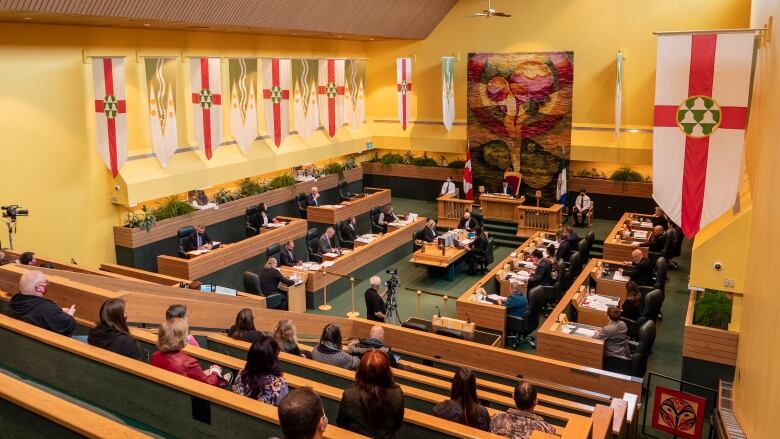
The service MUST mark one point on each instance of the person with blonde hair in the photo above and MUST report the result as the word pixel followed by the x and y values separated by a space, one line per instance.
pixel 30 305
pixel 287 337
pixel 171 339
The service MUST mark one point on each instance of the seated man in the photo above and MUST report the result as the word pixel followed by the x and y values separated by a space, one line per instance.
pixel 448 188
pixel 198 240
pixel 386 217
pixel 325 244
pixel 564 247
pixel 477 250
pixel 543 272
pixel 582 206
pixel 521 422
pixel 313 198
pixel 571 236
pixel 348 230
pixel 429 231
pixel 615 334
pixel 270 278
pixel 517 302
pixel 375 340
pixel 263 217
pixel 467 222
pixel 656 240
pixel 301 414
pixel 287 255
pixel 641 270
pixel 31 307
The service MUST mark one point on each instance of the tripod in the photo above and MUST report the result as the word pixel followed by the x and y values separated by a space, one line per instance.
pixel 392 308
pixel 11 224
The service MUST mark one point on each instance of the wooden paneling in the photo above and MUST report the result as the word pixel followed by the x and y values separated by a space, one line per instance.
pixel 708 344
pixel 230 254
pixel 611 187
pixel 329 215
pixel 133 238
pixel 450 210
pixel 531 219
pixel 137 273
pixel 500 207
pixel 438 173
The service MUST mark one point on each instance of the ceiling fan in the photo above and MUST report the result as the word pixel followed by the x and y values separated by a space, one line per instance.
pixel 490 12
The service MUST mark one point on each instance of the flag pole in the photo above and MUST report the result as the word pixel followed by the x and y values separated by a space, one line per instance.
pixel 713 31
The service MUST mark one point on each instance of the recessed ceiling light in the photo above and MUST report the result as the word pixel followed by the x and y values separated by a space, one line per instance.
pixel 371 39
pixel 147 24
pixel 26 18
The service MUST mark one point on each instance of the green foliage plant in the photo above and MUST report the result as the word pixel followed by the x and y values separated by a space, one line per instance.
pixel 173 207
pixel 713 309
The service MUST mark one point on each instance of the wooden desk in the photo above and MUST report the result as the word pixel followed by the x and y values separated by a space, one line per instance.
pixel 498 206
pixel 450 210
pixel 331 215
pixel 218 259
pixel 587 315
pixel 531 219
pixel 481 337
pixel 296 294
pixel 609 286
pixel 431 256
pixel 619 248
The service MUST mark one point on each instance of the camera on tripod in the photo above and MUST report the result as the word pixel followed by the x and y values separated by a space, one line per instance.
pixel 13 211
pixel 393 282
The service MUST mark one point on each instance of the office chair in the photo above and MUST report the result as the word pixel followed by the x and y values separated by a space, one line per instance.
pixel 659 281
pixel 415 325
pixel 343 242
pixel 554 292
pixel 520 328
pixel 653 302
pixel 375 227
pixel 484 261
pixel 252 221
pixel 273 251
pixel 454 333
pixel 678 242
pixel 575 265
pixel 183 236
pixel 479 218
pixel 513 180
pixel 582 248
pixel 591 238
pixel 252 286
pixel 636 363
pixel 344 194
pixel 417 236
pixel 313 246
pixel 300 201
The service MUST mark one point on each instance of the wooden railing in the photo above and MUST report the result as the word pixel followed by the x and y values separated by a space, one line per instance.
pixel 531 219
pixel 451 210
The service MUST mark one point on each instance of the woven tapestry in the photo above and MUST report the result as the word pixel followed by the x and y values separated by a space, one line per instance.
pixel 519 118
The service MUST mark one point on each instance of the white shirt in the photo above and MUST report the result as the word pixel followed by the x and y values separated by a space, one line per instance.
pixel 449 188
pixel 583 202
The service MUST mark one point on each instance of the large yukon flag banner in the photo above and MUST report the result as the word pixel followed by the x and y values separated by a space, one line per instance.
pixel 307 118
pixel 330 89
pixel 243 102
pixel 701 98
pixel 404 88
pixel 468 186
pixel 161 83
pixel 207 103
pixel 276 98
pixel 354 92
pixel 108 76
pixel 448 91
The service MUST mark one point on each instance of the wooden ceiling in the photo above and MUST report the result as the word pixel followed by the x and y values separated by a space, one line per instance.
pixel 349 19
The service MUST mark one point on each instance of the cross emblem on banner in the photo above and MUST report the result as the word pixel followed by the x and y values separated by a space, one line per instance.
pixel 206 98
pixel 110 106
pixel 331 90
pixel 276 94
pixel 404 86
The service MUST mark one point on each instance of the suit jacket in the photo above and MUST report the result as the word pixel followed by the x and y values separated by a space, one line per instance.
pixel 573 239
pixel 264 218
pixel 348 232
pixel 615 336
pixel 479 247
pixel 428 234
pixel 656 244
pixel 470 225
pixel 270 279
pixel 642 272
pixel 193 241
pixel 542 275
pixel 564 251
pixel 287 258
pixel 325 246
pixel 310 201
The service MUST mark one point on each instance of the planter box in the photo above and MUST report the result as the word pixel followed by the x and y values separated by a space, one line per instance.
pixel 438 173
pixel 708 344
pixel 133 238
pixel 611 187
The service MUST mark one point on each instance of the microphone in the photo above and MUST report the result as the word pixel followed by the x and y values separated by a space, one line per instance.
pixel 468 318
pixel 438 310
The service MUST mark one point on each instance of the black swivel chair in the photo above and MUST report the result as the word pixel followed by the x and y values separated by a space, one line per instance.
pixel 480 219
pixel 252 286
pixel 313 246
pixel 273 251
pixel 343 242
pixel 653 302
pixel 252 220
pixel 375 227
pixel 300 200
pixel 415 325
pixel 520 328
pixel 636 363
pixel 485 261
pixel 584 250
pixel 678 242
pixel 454 333
pixel 183 236
pixel 659 282
pixel 591 238
pixel 554 292
pixel 344 194
pixel 417 236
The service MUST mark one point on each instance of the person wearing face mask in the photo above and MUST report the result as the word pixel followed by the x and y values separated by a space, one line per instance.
pixel 30 306
pixel 448 188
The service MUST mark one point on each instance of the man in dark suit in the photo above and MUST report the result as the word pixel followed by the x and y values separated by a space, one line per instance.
pixel 657 240
pixel 429 231
pixel 641 270
pixel 287 255
pixel 477 251
pixel 467 222
pixel 571 236
pixel 348 230
pixel 270 278
pixel 325 244
pixel 313 198
pixel 198 240
pixel 564 248
pixel 543 273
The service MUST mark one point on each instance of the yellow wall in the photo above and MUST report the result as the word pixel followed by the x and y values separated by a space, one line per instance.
pixel 757 379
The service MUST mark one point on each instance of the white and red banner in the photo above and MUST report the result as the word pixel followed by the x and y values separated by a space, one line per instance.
pixel 330 89
pixel 276 98
pixel 468 188
pixel 161 83
pixel 108 76
pixel 404 87
pixel 207 103
pixel 701 98
pixel 243 106
pixel 354 93
pixel 307 118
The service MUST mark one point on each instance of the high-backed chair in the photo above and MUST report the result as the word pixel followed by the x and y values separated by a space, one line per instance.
pixel 252 220
pixel 591 238
pixel 415 325
pixel 520 328
pixel 183 237
pixel 454 333
pixel 417 236
pixel 659 281
pixel 313 246
pixel 273 251
pixel 479 218
pixel 343 241
pixel 484 262
pixel 554 292
pixel 582 248
pixel 344 194
pixel 636 363
pixel 300 201
pixel 575 264
pixel 653 302
pixel 374 214
pixel 678 242
pixel 252 286
pixel 513 180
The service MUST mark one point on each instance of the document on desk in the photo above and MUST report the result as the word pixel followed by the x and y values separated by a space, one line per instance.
pixel 327 264
pixel 640 234
pixel 331 255
pixel 494 297
pixel 311 266
pixel 599 302
pixel 618 276
pixel 366 239
pixel 274 225
pixel 585 332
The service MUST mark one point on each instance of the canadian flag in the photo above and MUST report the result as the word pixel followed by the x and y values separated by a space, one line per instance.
pixel 207 102
pixel 701 97
pixel 404 86
pixel 108 76
pixel 467 182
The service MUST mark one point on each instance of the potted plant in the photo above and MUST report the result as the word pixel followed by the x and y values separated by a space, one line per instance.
pixel 173 207
pixel 713 310
pixel 144 220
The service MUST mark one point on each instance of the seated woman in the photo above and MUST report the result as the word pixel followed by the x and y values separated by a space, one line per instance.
pixel 374 405
pixel 261 378
pixel 634 302
pixel 429 232
pixel 263 217
pixel 463 406
pixel 329 350
pixel 112 333
pixel 286 336
pixel 180 311
pixel 477 250
pixel 171 339
pixel 386 217
pixel 615 334
pixel 517 302
pixel 244 329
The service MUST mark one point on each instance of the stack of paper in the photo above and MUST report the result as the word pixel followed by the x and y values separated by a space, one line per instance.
pixel 599 302
pixel 618 276
pixel 585 332
pixel 327 264
pixel 331 254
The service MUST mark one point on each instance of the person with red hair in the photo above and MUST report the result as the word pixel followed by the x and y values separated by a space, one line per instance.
pixel 374 405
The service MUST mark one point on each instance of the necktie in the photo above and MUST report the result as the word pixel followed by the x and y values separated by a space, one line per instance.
pixel 199 240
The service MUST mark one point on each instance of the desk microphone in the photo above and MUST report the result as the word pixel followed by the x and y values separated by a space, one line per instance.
pixel 438 310
pixel 468 318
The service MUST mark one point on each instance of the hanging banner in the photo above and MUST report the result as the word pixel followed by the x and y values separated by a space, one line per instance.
pixel 404 87
pixel 354 91
pixel 161 83
pixel 330 88
pixel 108 78
pixel 619 92
pixel 448 90
pixel 467 181
pixel 207 103
pixel 243 103
pixel 276 98
pixel 307 119
pixel 702 86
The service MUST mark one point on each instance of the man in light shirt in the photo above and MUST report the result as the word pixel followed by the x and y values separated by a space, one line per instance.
pixel 582 205
pixel 448 188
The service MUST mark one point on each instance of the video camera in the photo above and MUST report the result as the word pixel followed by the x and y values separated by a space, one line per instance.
pixel 13 211
pixel 393 282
